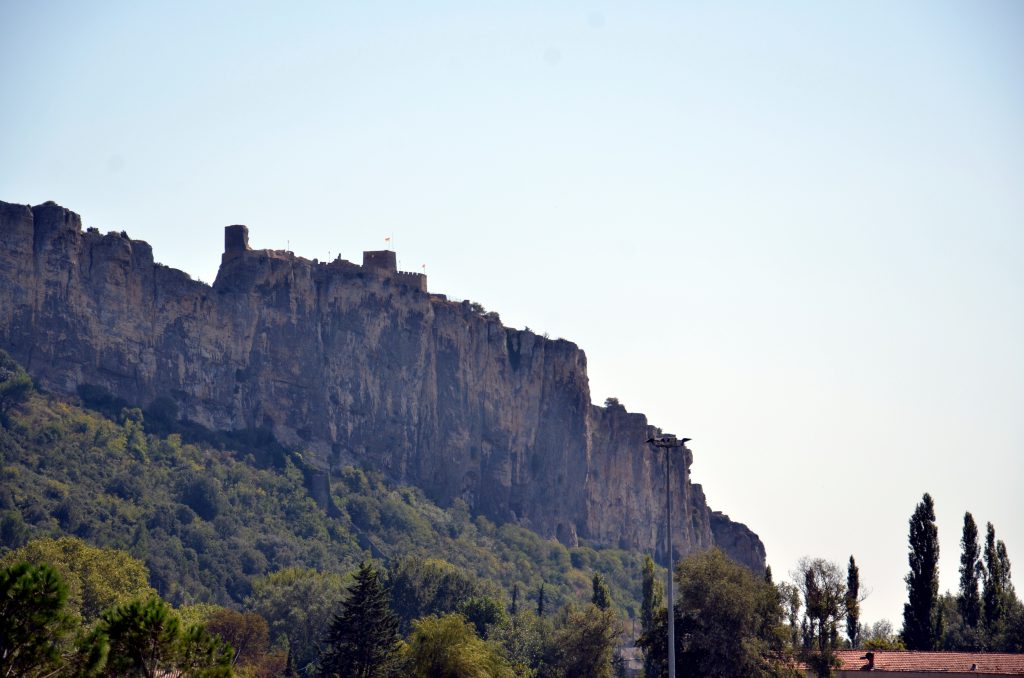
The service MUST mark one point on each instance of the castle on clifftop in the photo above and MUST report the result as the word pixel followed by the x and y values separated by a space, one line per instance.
pixel 378 262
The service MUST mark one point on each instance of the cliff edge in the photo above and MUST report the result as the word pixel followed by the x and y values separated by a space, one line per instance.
pixel 354 364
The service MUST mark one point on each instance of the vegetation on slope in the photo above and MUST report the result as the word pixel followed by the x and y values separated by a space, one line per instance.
pixel 208 520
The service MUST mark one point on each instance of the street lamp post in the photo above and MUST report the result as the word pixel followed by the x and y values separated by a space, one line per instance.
pixel 669 443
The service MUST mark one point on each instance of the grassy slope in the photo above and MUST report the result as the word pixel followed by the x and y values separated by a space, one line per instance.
pixel 207 520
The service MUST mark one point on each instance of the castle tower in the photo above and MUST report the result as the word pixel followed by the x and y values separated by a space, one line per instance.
pixel 236 241
pixel 380 260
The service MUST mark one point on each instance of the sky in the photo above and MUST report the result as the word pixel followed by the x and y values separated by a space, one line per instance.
pixel 791 231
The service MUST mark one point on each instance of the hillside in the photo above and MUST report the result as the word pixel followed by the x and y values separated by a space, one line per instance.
pixel 207 520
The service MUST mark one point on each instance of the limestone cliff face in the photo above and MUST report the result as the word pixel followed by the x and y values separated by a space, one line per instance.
pixel 356 364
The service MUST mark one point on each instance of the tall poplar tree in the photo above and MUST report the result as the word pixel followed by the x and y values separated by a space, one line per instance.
pixel 919 629
pixel 853 603
pixel 969 600
pixel 997 592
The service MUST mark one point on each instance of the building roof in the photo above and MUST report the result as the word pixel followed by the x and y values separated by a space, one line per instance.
pixel 939 662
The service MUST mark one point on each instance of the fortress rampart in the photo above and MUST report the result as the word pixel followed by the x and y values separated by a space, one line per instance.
pixel 382 263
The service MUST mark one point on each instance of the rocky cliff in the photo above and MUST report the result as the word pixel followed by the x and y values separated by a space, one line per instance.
pixel 355 364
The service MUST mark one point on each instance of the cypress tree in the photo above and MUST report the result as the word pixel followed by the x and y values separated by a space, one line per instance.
pixel 602 598
pixel 652 595
pixel 515 599
pixel 919 632
pixel 652 600
pixel 969 600
pixel 540 601
pixel 363 638
pixel 853 603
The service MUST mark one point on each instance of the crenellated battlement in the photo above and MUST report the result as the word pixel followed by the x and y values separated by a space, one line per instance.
pixel 415 280
pixel 382 263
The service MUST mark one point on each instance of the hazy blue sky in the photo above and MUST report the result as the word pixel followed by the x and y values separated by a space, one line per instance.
pixel 793 232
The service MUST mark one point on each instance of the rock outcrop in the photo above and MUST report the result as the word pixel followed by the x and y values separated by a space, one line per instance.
pixel 354 364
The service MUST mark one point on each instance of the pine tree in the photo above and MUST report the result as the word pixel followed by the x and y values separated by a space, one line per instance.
pixel 515 599
pixel 602 598
pixel 540 601
pixel 969 601
pixel 363 638
pixel 853 603
pixel 919 632
pixel 146 638
pixel 33 619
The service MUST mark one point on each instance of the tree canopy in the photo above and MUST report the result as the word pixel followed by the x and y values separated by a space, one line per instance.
pixel 448 647
pixel 96 578
pixel 728 622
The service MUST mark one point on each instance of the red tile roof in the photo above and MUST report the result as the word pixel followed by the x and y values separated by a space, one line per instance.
pixel 938 662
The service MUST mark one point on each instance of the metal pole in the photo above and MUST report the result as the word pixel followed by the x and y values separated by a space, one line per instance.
pixel 669 443
pixel 671 600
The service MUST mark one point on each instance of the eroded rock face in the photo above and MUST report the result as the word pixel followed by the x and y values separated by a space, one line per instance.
pixel 355 364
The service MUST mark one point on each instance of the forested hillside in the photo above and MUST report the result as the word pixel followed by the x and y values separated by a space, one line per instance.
pixel 209 514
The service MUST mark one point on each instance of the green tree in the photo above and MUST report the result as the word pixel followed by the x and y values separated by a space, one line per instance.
pixel 298 604
pixel 881 636
pixel 540 600
pixel 203 655
pixel 146 639
pixel 998 597
pixel 728 622
pixel 448 647
pixel 853 603
pixel 789 597
pixel 652 600
pixel 97 578
pixel 363 639
pixel 15 386
pixel 33 620
pixel 422 587
pixel 825 595
pixel 955 635
pixel 601 597
pixel 523 637
pixel 919 619
pixel 484 612
pixel 971 569
pixel 246 632
pixel 13 529
pixel 583 644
